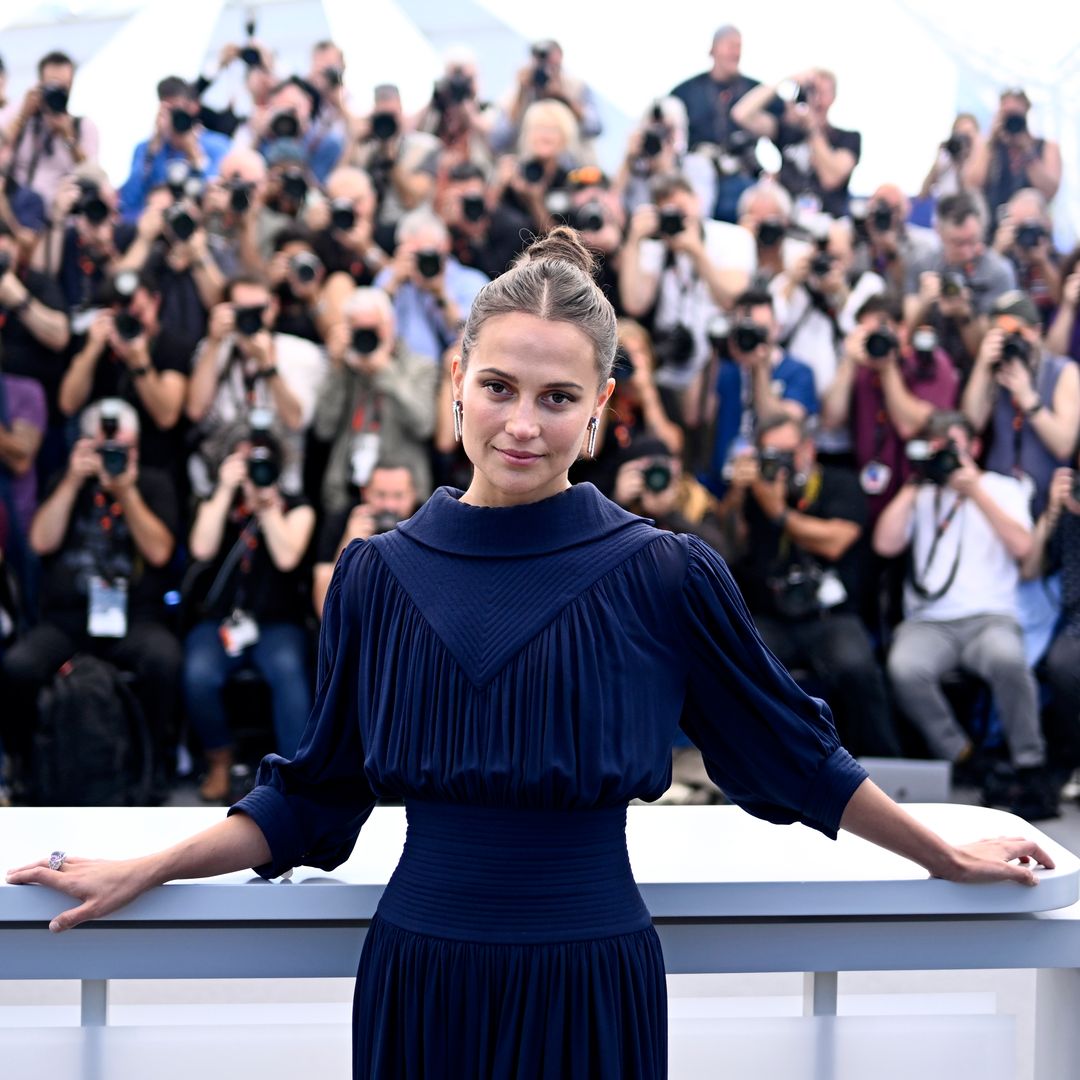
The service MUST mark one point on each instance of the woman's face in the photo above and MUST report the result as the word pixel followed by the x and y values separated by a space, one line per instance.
pixel 544 141
pixel 528 393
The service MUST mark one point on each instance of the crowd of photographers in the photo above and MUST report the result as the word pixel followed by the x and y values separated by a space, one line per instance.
pixel 217 374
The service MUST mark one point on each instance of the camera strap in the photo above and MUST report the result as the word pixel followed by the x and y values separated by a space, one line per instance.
pixel 239 555
pixel 811 494
pixel 941 527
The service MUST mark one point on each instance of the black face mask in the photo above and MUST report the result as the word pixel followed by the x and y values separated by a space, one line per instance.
pixel 472 207
pixel 429 263
pixel 249 320
pixel 365 340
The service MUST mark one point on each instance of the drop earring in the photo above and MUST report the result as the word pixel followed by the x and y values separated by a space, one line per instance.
pixel 591 445
pixel 459 410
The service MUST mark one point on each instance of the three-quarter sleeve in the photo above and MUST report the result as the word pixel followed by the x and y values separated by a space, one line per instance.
pixel 772 748
pixel 311 809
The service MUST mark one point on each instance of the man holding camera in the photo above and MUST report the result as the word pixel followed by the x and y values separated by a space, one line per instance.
pixel 798 526
pixel 486 238
pixel 105 533
pixel 388 497
pixel 765 211
pixel 886 243
pixel 178 136
pixel 967 531
pixel 431 291
pixel 344 227
pixel 47 141
pixel 1026 399
pixel 686 268
pixel 378 401
pixel 1024 237
pixel 455 116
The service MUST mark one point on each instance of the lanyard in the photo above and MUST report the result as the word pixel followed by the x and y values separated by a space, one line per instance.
pixel 359 417
pixel 942 526
pixel 806 500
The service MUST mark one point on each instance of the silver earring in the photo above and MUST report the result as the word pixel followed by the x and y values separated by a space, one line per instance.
pixel 459 410
pixel 593 424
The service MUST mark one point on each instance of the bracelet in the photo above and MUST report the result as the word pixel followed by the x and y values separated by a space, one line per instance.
pixel 268 373
pixel 139 372
pixel 1037 407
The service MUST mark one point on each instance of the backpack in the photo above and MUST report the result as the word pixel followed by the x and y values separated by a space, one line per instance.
pixel 92 744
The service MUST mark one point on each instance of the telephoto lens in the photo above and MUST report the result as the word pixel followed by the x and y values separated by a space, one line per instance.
pixel 429 263
pixel 879 343
pixel 672 221
pixel 128 326
pixel 472 207
pixel 262 466
pixel 182 121
pixel 114 457
pixel 305 267
pixel 657 476
pixel 181 224
pixel 532 170
pixel 365 340
pixel 342 215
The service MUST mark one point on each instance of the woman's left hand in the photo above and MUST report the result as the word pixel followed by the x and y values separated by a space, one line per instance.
pixel 992 860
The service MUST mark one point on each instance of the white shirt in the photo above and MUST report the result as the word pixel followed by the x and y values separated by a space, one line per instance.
pixel 987 576
pixel 684 297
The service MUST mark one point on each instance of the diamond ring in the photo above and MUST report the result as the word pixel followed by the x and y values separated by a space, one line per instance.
pixel 56 860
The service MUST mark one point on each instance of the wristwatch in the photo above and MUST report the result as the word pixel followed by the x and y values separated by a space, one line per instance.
pixel 138 372
pixel 1037 407
pixel 780 521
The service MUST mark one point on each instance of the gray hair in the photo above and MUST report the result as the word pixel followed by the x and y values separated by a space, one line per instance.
pixel 767 187
pixel 727 30
pixel 418 221
pixel 551 280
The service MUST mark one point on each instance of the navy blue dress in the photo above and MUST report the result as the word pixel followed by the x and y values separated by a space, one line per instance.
pixel 517 675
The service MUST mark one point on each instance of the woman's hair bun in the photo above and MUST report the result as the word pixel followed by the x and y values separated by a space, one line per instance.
pixel 563 243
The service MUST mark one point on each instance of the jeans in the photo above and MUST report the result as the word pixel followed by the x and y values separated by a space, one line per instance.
pixel 989 646
pixel 279 656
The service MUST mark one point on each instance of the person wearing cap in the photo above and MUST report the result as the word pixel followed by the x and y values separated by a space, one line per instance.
pixel 1023 399
pixel 178 136
pixel 1011 158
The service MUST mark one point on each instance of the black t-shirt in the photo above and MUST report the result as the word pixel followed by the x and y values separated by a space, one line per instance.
pixel 498 248
pixel 82 278
pixel 90 547
pixel 769 553
pixel 294 316
pixel 337 258
pixel 255 584
pixel 113 378
pixel 22 353
pixel 708 106
pixel 330 534
pixel 796 172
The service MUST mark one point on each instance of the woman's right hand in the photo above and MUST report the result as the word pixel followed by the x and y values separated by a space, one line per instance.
pixel 103 885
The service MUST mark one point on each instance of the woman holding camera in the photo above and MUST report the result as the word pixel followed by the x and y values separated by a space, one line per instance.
pixel 253 538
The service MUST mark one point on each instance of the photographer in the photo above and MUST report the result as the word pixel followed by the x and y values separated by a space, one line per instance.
pixel 946 175
pixel 543 79
pixel 378 401
pixel 955 288
pixel 483 236
pixel 886 243
pixel 887 386
pixel 251 613
pixel 178 136
pixel 403 165
pixel 344 227
pixel 764 210
pixel 331 119
pixel 799 526
pixel 47 141
pixel 595 211
pixel 388 498
pixel 1026 399
pixel 242 366
pixel 967 530
pixel 686 270
pixel 1056 549
pixel 308 302
pixel 1063 337
pixel 288 194
pixel 105 533
pixel 755 382
pixel 455 116
pixel 230 212
pixel 1011 158
pixel 1024 237
pixel 818 159
pixel 430 290
pixel 126 355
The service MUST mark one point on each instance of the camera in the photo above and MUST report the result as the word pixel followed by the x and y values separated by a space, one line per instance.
pixel 1030 235
pixel 1014 347
pixel 748 335
pixel 383 522
pixel 251 56
pixel 623 368
pixel 365 340
pixel 881 217
pixel 473 207
pixel 924 341
pixel 294 184
pixel 589 217
pixel 90 204
pixel 957 145
pixel 933 466
pixel 429 263
pixel 453 90
pixel 532 170
pixel 540 76
pixel 240 192
pixel 880 343
pixel 110 418
pixel 181 120
pixel 384 125
pixel 305 267
pixel 180 223
pixel 657 476
pixel 821 264
pixel 114 455
pixel 771 232
pixel 1015 123
pixel 128 326
pixel 55 98
pixel 263 467
pixel 333 76
pixel 285 125
pixel 795 590
pixel 248 320
pixel 738 155
pixel 953 283
pixel 771 462
pixel 342 215
pixel 672 221
pixel 674 348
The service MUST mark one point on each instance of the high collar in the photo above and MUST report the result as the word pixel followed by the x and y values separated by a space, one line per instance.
pixel 578 515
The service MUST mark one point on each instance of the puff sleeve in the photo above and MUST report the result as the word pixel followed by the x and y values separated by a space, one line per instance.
pixel 311 809
pixel 772 748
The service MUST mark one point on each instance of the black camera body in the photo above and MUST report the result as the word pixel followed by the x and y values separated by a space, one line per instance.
pixel 772 462
pixel 294 184
pixel 532 170
pixel 672 221
pixel 1015 123
pixel 880 343
pixel 657 476
pixel 674 347
pixel 384 125
pixel 795 590
pixel 181 120
pixel 263 466
pixel 248 320
pixel 305 267
pixel 383 522
pixel 285 125
pixel 748 335
pixel 114 457
pixel 589 217
pixel 473 207
pixel 240 192
pixel 128 326
pixel 455 89
pixel 342 215
pixel 1014 347
pixel 770 232
pixel 180 223
pixel 957 145
pixel 55 98
pixel 90 204
pixel 953 283
pixel 1030 234
pixel 365 340
pixel 933 466
pixel 881 217
pixel 429 263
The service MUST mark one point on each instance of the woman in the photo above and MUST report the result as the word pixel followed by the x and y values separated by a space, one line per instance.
pixel 511 940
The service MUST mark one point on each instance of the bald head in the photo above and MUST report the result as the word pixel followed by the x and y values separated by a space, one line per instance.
pixel 243 164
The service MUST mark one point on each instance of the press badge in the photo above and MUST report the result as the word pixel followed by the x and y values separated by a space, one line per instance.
pixel 875 477
pixel 363 457
pixel 237 632
pixel 107 609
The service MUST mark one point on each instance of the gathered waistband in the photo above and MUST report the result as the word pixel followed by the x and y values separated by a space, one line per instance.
pixel 507 875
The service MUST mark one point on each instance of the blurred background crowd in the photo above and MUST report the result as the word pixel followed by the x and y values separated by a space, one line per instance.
pixel 223 366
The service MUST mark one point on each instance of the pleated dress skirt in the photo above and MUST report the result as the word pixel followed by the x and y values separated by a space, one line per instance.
pixel 511 944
